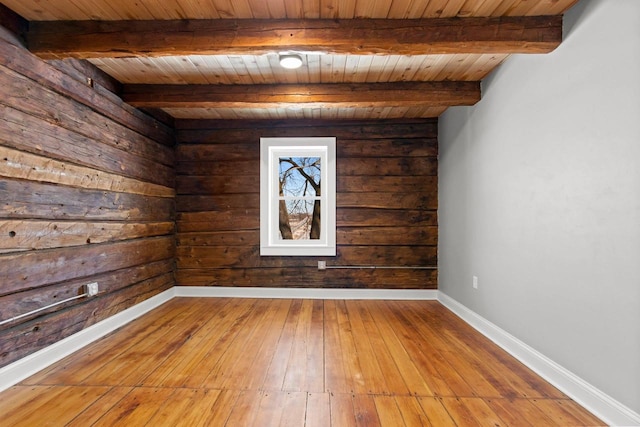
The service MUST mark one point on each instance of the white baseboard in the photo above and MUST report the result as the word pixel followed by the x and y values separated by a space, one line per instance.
pixel 305 293
pixel 17 371
pixel 599 403
pixel 35 362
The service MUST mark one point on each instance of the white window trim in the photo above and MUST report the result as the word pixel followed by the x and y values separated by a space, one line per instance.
pixel 270 150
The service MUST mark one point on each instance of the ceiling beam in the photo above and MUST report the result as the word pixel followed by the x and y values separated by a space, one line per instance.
pixel 361 95
pixel 13 22
pixel 117 39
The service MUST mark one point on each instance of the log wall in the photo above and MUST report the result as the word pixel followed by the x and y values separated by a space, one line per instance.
pixel 87 191
pixel 386 205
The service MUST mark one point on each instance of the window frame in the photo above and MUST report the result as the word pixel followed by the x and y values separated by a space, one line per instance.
pixel 271 149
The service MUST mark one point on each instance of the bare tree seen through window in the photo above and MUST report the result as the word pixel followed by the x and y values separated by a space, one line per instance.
pixel 299 198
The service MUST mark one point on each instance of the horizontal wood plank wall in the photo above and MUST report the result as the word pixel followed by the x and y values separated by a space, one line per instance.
pixel 386 205
pixel 87 190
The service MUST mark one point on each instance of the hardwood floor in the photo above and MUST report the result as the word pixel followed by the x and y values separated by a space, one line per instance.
pixel 270 362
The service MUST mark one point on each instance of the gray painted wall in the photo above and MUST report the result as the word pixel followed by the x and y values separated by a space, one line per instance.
pixel 540 199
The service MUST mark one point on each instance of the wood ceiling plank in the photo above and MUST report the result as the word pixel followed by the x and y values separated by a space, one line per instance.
pixel 431 94
pixel 311 9
pixel 117 39
pixel 52 10
pixel 480 8
pixel 504 7
pixel 551 7
pixel 302 113
pixel 483 66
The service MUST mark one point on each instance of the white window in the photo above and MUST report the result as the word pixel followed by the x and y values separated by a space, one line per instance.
pixel 298 196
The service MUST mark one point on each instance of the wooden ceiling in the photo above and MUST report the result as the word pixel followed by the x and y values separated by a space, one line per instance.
pixel 365 59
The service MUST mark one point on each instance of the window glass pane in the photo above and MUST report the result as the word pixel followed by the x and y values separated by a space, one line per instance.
pixel 299 219
pixel 299 176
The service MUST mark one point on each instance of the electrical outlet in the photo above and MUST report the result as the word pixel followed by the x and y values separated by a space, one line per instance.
pixel 475 282
pixel 322 265
pixel 92 289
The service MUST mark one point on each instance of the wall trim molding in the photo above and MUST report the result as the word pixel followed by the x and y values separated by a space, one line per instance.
pixel 305 293
pixel 21 369
pixel 596 401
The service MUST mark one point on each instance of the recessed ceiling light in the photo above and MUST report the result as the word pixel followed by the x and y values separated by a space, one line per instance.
pixel 290 61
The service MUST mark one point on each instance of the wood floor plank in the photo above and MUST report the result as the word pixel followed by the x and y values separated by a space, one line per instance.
pixel 460 366
pixel 101 406
pixel 38 398
pixel 172 368
pixel 342 411
pixel 248 367
pixel 136 408
pixel 142 358
pixel 222 408
pixel 408 369
pixel 459 412
pixel 373 378
pixel 518 412
pixel 236 351
pixel 277 368
pixel 245 409
pixel 189 368
pixel 14 398
pixel 316 349
pixel 420 351
pixel 523 379
pixel 388 411
pixel 432 346
pixel 270 410
pixel 558 411
pixel 482 411
pixel 412 413
pixel 467 373
pixel 197 372
pixel 585 418
pixel 366 413
pixel 392 376
pixel 294 409
pixel 305 370
pixel 54 406
pixel 72 370
pixel 188 407
pixel 256 372
pixel 350 358
pixel 318 410
pixel 336 380
pixel 263 362
pixel 436 413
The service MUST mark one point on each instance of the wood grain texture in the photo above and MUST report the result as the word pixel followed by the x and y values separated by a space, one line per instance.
pixel 113 39
pixel 87 190
pixel 387 205
pixel 282 362
pixel 279 9
pixel 20 165
pixel 401 94
pixel 228 43
pixel 77 88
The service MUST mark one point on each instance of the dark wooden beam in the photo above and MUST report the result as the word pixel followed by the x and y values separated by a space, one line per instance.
pixel 361 95
pixel 117 39
pixel 15 24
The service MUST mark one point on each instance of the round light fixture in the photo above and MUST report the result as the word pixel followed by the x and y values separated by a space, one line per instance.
pixel 290 62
